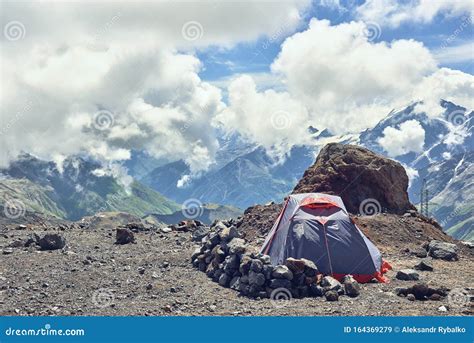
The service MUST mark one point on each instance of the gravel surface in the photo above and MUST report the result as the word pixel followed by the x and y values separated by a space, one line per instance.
pixel 153 276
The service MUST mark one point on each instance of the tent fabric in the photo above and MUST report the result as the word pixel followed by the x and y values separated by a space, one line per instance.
pixel 324 234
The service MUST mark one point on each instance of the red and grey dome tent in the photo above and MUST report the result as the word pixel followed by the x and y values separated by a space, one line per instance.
pixel 317 227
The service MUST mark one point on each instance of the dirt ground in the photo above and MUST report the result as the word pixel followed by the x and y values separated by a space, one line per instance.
pixel 154 277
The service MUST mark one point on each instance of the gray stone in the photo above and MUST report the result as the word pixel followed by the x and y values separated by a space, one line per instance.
pixel 224 280
pixel 231 263
pixel 195 254
pixel 282 272
pixel 237 246
pixel 442 250
pixel 315 290
pixel 254 290
pixel 218 225
pixel 166 229
pixel 217 274
pixel 411 297
pixel 265 259
pixel 299 279
pixel 407 275
pixel 228 233
pixel 301 265
pixel 280 283
pixel 244 267
pixel 351 286
pixel 200 233
pixel 256 266
pixel 218 254
pixel 53 241
pixel 235 283
pixel 295 265
pixel 425 264
pixel 256 278
pixel 331 284
pixel 302 291
pixel 267 271
pixel 331 296
pixel 212 240
pixel 244 279
pixel 310 268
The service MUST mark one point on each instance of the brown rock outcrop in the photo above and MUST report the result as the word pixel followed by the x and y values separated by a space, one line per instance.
pixel 358 176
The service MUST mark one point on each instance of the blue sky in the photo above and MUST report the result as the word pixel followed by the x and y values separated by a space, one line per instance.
pixel 257 56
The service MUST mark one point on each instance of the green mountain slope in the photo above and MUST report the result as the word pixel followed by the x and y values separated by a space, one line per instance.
pixel 77 190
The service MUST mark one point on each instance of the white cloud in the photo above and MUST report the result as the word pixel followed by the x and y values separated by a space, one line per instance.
pixel 393 13
pixel 101 57
pixel 121 58
pixel 409 137
pixel 455 54
pixel 411 173
pixel 347 82
pixel 273 119
pixel 447 84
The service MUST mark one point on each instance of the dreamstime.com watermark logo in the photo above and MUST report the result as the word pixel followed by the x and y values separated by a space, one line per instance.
pixel 45 331
pixel 192 209
pixel 14 208
pixel 14 30
pixel 280 297
pixel 372 31
pixel 457 117
pixel 192 31
pixel 103 297
pixel 370 207
pixel 281 120
pixel 103 120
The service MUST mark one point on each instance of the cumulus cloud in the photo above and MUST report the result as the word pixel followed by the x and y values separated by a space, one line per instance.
pixel 94 79
pixel 347 82
pixel 447 84
pixel 394 13
pixel 408 137
pixel 106 77
pixel 273 119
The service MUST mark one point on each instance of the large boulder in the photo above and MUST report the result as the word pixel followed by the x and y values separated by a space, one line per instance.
pixel 51 241
pixel 442 250
pixel 124 236
pixel 357 175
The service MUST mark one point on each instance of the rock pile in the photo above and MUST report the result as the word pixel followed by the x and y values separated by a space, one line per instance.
pixel 226 259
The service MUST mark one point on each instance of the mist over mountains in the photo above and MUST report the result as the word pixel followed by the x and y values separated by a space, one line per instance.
pixel 244 174
pixel 254 177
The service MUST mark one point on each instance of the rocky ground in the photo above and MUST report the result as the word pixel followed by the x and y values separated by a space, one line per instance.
pixel 152 273
pixel 91 275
